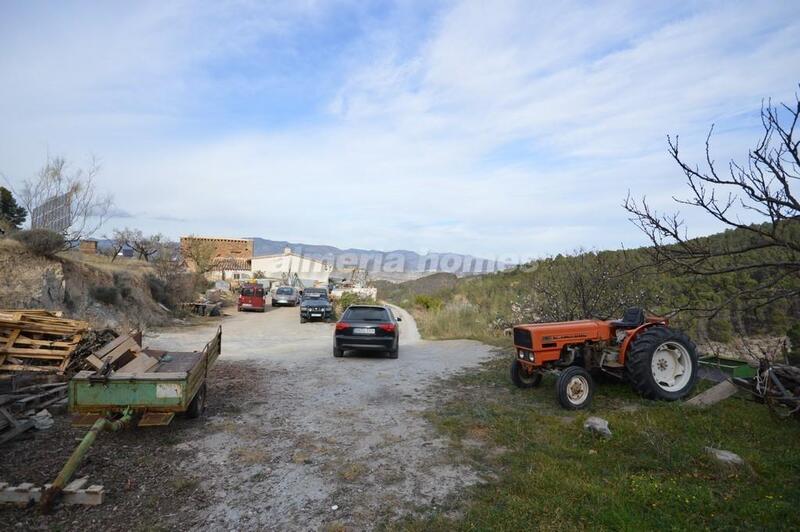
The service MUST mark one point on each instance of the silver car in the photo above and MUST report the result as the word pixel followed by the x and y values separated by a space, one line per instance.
pixel 285 295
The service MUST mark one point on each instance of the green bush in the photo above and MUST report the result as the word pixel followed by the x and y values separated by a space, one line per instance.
pixel 122 280
pixel 158 289
pixel 41 242
pixel 720 330
pixel 428 302
pixel 350 298
pixel 106 294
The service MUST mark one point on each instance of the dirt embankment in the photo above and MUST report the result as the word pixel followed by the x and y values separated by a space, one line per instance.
pixel 69 283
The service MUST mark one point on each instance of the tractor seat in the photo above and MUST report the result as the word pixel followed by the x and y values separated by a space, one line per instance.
pixel 632 318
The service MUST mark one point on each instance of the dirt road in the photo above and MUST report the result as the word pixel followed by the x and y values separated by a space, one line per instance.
pixel 312 440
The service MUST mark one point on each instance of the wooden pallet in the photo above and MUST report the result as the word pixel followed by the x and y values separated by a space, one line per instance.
pixel 73 493
pixel 38 340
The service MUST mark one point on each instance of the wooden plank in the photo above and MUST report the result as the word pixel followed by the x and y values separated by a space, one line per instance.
pixel 110 346
pixel 94 361
pixel 25 367
pixel 140 364
pixel 76 484
pixel 16 431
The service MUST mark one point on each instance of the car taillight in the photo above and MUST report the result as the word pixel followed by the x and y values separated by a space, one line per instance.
pixel 388 327
pixel 342 326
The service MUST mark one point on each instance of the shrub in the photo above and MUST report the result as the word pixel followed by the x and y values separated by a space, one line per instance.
pixel 720 330
pixel 428 302
pixel 158 289
pixel 40 241
pixel 106 294
pixel 351 298
pixel 122 281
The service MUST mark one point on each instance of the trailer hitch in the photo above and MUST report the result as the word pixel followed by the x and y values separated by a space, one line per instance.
pixel 51 494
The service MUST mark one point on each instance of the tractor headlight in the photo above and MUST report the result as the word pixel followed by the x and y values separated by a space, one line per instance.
pixel 521 353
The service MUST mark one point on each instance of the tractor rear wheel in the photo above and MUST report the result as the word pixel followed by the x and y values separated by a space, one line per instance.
pixel 662 364
pixel 523 379
pixel 574 388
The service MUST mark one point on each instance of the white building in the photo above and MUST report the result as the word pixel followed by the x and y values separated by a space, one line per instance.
pixel 311 272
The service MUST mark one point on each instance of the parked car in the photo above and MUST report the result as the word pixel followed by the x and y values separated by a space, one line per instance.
pixel 368 328
pixel 315 293
pixel 285 295
pixel 315 305
pixel 252 297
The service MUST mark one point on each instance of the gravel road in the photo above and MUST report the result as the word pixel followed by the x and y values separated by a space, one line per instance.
pixel 316 441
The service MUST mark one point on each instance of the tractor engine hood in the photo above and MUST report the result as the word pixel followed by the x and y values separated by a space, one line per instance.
pixel 539 336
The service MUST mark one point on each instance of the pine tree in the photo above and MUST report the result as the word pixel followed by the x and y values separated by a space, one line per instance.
pixel 10 211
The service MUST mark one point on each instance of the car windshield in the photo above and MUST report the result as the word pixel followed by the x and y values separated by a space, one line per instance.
pixel 366 314
pixel 315 293
pixel 285 291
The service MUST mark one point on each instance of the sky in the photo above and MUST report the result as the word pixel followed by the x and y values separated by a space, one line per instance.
pixel 501 129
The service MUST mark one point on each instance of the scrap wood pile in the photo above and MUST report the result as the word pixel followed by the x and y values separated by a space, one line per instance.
pixel 25 408
pixel 44 341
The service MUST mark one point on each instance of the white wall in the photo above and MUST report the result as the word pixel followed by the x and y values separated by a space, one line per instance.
pixel 305 268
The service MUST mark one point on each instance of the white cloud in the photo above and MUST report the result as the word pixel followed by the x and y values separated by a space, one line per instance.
pixel 507 128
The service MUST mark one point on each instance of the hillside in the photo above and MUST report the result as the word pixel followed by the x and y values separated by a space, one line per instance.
pixel 595 284
pixel 90 288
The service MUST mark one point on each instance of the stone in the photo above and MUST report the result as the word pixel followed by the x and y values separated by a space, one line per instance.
pixel 597 425
pixel 725 457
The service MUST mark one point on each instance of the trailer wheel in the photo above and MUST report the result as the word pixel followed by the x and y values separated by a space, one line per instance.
pixel 574 388
pixel 523 379
pixel 662 364
pixel 198 404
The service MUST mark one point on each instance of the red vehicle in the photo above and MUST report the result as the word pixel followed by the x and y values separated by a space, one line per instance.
pixel 252 297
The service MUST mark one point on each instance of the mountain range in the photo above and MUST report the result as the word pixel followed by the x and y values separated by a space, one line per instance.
pixel 391 265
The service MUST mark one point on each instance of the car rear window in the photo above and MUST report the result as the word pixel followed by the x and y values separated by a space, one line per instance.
pixel 284 291
pixel 366 314
pixel 248 292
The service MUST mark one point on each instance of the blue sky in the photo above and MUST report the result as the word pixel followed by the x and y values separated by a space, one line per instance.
pixel 502 129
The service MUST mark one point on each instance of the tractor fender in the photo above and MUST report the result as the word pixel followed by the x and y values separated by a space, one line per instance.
pixel 631 334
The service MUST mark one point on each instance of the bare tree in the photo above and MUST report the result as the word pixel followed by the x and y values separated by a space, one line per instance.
pixel 146 246
pixel 587 285
pixel 760 187
pixel 85 209
pixel 198 254
pixel 120 238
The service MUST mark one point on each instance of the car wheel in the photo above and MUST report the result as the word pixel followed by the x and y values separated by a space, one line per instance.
pixel 338 353
pixel 394 352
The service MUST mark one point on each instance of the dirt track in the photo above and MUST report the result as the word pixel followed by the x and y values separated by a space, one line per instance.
pixel 290 433
pixel 317 432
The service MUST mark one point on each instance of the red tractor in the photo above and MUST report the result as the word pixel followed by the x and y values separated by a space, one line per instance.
pixel 660 362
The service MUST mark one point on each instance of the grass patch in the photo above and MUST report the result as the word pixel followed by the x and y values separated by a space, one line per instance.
pixel 653 474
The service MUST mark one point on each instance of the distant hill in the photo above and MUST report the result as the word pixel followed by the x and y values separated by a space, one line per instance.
pixel 397 265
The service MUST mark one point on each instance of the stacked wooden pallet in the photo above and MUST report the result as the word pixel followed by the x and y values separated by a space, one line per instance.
pixel 38 340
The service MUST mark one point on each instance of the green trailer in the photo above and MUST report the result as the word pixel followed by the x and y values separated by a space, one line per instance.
pixel 729 366
pixel 176 384
pixel 110 401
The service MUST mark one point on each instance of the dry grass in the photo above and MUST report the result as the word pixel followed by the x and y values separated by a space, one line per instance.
pixel 103 262
pixel 251 455
pixel 352 471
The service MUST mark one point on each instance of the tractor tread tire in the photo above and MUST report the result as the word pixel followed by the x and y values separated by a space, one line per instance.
pixel 639 363
pixel 517 379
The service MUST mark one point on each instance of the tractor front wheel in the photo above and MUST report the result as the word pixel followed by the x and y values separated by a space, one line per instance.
pixel 662 364
pixel 523 379
pixel 574 388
